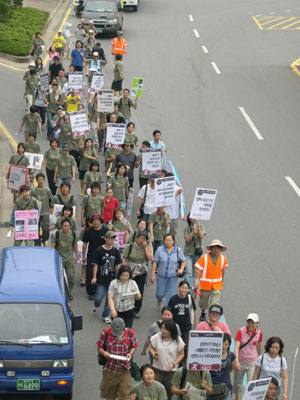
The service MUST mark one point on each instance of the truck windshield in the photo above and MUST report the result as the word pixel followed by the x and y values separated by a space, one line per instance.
pixel 101 6
pixel 33 323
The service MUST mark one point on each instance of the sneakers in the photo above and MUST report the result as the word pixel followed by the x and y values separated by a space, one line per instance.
pixel 203 316
pixel 107 320
pixel 91 297
pixel 94 309
pixel 137 315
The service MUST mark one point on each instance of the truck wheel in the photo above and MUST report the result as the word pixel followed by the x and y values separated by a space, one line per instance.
pixel 135 8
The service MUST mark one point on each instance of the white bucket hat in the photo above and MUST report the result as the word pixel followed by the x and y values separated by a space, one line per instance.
pixel 216 242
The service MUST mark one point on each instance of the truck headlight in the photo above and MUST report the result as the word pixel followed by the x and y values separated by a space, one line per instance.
pixel 1 364
pixel 60 364
pixel 114 21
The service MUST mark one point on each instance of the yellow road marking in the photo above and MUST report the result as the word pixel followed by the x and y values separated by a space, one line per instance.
pixel 273 20
pixel 294 23
pixel 294 66
pixel 9 136
pixel 16 69
pixel 280 23
pixel 263 18
pixel 257 23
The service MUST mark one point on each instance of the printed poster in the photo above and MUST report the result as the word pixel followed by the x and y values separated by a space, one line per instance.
pixel 79 123
pixel 115 135
pixel 35 160
pixel 119 240
pixel 97 82
pixel 203 204
pixel 165 191
pixel 205 350
pixel 26 224
pixel 17 176
pixel 57 210
pixel 256 390
pixel 75 80
pixel 137 87
pixel 151 161
pixel 44 82
pixel 106 100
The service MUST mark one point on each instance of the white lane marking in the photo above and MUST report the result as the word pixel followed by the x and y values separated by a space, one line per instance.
pixel 287 10
pixel 258 15
pixel 204 49
pixel 251 124
pixel 215 67
pixel 191 18
pixel 273 12
pixel 293 184
pixel 196 33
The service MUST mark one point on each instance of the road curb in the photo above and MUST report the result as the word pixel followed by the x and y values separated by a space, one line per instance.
pixel 296 66
pixel 23 59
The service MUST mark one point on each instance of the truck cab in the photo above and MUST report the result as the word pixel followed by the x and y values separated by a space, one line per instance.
pixel 37 323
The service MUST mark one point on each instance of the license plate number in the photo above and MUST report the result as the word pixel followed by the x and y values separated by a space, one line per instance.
pixel 28 384
pixel 99 30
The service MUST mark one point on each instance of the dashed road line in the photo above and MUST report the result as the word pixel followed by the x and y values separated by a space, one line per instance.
pixel 251 123
pixel 191 18
pixel 196 33
pixel 293 184
pixel 204 49
pixel 215 67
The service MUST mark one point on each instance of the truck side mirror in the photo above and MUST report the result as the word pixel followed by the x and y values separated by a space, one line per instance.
pixel 76 323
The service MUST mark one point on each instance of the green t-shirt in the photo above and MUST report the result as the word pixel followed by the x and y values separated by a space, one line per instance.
pixel 32 84
pixel 131 237
pixel 32 147
pixel 65 165
pixel 189 248
pixel 132 139
pixel 118 70
pixel 91 177
pixel 51 156
pixel 108 153
pixel 118 186
pixel 37 43
pixel 72 221
pixel 94 112
pixel 118 226
pixel 45 197
pixel 194 378
pixel 92 205
pixel 159 228
pixel 85 162
pixel 22 204
pixel 65 132
pixel 137 254
pixel 124 107
pixel 15 160
pixel 52 98
pixel 31 122
pixel 65 245
pixel 156 392
pixel 65 200
pixel 75 143
pixel 61 81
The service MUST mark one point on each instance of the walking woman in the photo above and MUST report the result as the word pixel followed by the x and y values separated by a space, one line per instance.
pixel 87 156
pixel 169 262
pixel 37 45
pixel 122 293
pixel 273 364
pixel 119 184
pixel 167 349
pixel 149 388
pixel 91 176
pixel 49 160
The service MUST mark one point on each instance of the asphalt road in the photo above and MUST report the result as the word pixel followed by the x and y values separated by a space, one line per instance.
pixel 197 105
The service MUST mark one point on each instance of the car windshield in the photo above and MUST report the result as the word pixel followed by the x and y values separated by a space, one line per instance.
pixel 101 6
pixel 33 323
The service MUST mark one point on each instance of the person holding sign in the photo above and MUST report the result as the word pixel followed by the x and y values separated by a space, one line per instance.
pixel 198 379
pixel 159 222
pixel 125 103
pixel 272 390
pixel 272 364
pixel 209 276
pixel 64 197
pixel 20 160
pixel 143 178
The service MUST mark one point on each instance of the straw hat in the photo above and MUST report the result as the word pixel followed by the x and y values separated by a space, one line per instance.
pixel 216 242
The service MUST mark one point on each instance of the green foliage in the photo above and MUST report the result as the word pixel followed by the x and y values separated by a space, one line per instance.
pixel 4 11
pixel 17 32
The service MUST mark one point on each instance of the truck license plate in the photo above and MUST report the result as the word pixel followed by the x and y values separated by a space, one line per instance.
pixel 28 384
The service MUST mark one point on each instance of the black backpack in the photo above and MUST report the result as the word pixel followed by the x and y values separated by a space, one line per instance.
pixel 57 239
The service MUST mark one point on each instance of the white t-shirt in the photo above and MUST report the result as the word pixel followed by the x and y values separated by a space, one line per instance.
pixel 149 205
pixel 271 367
pixel 167 352
pixel 174 209
pixel 120 290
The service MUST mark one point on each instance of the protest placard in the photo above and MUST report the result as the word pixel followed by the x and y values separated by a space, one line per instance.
pixel 119 240
pixel 165 191
pixel 17 176
pixel 203 203
pixel 129 203
pixel 35 160
pixel 57 210
pixel 151 161
pixel 75 80
pixel 44 82
pixel 106 100
pixel 79 123
pixel 97 82
pixel 115 135
pixel 256 390
pixel 194 393
pixel 26 224
pixel 137 87
pixel 205 350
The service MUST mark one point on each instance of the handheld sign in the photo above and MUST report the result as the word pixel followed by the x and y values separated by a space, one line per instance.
pixel 203 203
pixel 26 224
pixel 115 135
pixel 256 390
pixel 137 87
pixel 44 82
pixel 106 101
pixel 151 161
pixel 97 82
pixel 57 210
pixel 75 80
pixel 165 191
pixel 79 123
pixel 119 240
pixel 129 203
pixel 17 176
pixel 35 160
pixel 205 350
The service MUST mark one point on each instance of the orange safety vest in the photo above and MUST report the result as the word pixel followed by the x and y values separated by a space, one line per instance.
pixel 211 275
pixel 119 46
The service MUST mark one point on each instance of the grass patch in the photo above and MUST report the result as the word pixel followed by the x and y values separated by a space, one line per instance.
pixel 18 30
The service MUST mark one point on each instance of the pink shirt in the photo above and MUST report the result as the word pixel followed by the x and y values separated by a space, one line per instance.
pixel 203 326
pixel 248 354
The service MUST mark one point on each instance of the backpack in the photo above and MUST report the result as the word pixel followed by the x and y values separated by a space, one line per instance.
pixel 101 358
pixel 57 239
pixel 62 202
pixel 121 102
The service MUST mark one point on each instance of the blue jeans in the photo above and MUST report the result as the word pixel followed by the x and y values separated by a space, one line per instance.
pixel 166 287
pixel 156 244
pixel 190 270
pixel 50 116
pixel 101 291
pixel 59 181
pixel 123 205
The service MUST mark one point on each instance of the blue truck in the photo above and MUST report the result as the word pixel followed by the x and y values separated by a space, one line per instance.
pixel 36 323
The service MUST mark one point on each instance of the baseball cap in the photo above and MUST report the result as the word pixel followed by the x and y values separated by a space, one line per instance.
pixel 66 148
pixel 216 308
pixel 142 233
pixel 117 327
pixel 60 31
pixel 32 64
pixel 110 235
pixel 254 317
pixel 154 176
pixel 94 216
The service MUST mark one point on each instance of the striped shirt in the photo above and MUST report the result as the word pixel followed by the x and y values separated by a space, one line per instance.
pixel 121 291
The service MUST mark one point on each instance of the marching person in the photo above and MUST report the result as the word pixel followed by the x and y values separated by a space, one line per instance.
pixel 149 385
pixel 125 103
pixel 247 348
pixel 118 45
pixel 210 275
pixel 272 390
pixel 118 75
pixel 78 56
pixel 146 197
pixel 213 322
